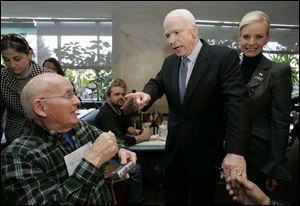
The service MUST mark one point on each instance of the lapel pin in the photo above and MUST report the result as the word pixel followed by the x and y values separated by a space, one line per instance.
pixel 258 78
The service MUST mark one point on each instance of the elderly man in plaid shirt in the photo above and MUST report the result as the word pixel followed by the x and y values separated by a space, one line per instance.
pixel 34 166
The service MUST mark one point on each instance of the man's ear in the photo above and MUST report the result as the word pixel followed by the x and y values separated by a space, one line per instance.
pixel 39 108
pixel 195 32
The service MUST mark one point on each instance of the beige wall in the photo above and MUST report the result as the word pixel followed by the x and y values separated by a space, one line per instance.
pixel 139 49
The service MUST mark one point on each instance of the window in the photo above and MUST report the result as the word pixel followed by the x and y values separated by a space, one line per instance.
pixel 82 46
pixel 284 38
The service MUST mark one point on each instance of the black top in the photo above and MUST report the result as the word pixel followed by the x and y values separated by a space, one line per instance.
pixel 110 118
pixel 249 65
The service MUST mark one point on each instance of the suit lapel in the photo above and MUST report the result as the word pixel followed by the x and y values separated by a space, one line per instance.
pixel 259 74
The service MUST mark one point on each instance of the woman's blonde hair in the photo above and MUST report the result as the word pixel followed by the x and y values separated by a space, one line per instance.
pixel 253 17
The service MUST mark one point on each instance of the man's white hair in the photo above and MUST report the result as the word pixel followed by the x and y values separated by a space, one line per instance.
pixel 184 13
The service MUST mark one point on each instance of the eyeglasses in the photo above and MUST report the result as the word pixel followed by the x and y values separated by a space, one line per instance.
pixel 68 96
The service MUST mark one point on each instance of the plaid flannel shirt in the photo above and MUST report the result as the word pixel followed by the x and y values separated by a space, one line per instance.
pixel 33 167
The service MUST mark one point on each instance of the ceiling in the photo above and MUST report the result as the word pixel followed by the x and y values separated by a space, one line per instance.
pixel 280 12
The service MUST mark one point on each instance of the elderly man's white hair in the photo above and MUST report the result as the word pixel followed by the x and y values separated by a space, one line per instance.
pixel 37 87
pixel 184 13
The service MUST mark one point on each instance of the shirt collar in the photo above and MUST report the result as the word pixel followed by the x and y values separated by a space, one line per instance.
pixel 43 132
pixel 193 56
pixel 116 110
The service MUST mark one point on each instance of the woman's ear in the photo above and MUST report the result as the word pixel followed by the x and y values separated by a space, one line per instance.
pixel 38 108
pixel 267 39
pixel 30 54
pixel 239 40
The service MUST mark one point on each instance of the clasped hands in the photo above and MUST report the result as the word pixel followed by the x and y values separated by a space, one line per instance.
pixel 233 165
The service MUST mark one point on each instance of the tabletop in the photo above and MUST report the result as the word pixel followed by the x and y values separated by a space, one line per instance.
pixel 155 143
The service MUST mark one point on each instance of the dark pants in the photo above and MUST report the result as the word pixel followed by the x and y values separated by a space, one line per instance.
pixel 183 186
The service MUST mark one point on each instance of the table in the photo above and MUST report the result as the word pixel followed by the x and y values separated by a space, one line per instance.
pixel 153 144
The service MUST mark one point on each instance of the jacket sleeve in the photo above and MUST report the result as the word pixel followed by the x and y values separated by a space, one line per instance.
pixel 236 105
pixel 281 87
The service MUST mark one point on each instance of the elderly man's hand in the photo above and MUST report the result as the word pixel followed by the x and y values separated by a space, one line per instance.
pixel 234 164
pixel 104 148
pixel 125 156
pixel 142 99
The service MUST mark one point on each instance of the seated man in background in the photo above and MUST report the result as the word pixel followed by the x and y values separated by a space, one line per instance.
pixel 34 167
pixel 111 118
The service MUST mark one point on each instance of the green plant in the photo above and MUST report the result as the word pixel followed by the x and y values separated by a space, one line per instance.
pixel 85 68
pixel 292 60
pixel 99 84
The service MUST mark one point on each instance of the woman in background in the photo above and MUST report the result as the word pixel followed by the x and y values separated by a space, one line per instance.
pixel 269 87
pixel 52 63
pixel 19 69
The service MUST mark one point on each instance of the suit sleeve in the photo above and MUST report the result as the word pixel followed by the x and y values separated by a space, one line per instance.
pixel 281 88
pixel 155 88
pixel 236 105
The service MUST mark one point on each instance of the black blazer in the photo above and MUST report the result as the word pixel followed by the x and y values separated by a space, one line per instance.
pixel 270 92
pixel 197 125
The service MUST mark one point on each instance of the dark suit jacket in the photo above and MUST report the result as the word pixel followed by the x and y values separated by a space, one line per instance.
pixel 196 125
pixel 270 91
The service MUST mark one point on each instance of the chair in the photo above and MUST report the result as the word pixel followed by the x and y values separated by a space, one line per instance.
pixel 90 118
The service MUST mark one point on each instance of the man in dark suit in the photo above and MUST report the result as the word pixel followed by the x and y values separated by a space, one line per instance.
pixel 196 120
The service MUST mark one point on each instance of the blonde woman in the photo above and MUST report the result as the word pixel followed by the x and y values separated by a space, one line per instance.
pixel 269 88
